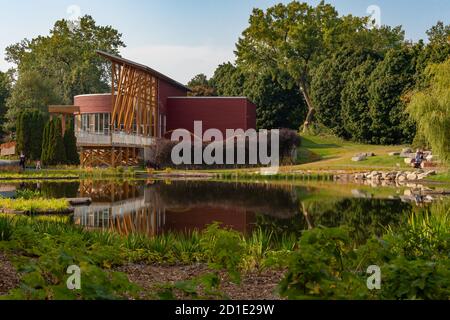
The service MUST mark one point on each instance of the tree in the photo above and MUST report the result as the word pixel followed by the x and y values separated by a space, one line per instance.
pixel 53 151
pixel 288 40
pixel 354 102
pixel 277 107
pixel 228 80
pixel 70 145
pixel 328 82
pixel 201 87
pixel 430 109
pixel 30 126
pixel 5 91
pixel 436 51
pixel 389 81
pixel 31 92
pixel 68 56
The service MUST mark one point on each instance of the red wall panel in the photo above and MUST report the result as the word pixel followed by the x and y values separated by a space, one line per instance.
pixel 94 103
pixel 215 113
pixel 167 90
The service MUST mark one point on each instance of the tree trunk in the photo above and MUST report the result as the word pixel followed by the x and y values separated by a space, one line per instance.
pixel 311 109
pixel 306 215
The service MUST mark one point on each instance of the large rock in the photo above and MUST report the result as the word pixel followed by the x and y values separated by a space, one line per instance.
pixel 412 176
pixel 359 157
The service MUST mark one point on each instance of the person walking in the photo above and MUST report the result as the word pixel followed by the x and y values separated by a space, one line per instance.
pixel 38 165
pixel 22 161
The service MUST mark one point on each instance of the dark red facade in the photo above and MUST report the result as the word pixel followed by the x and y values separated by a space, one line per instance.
pixel 215 113
pixel 178 111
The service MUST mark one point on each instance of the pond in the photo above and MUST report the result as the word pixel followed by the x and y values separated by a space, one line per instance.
pixel 283 207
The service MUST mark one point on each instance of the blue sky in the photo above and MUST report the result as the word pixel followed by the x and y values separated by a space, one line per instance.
pixel 182 38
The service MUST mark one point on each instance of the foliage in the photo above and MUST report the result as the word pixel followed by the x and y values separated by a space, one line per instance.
pixel 31 91
pixel 201 87
pixel 29 131
pixel 277 107
pixel 53 149
pixel 44 276
pixel 329 80
pixel 354 101
pixel 68 57
pixel 290 40
pixel 34 205
pixel 413 259
pixel 389 81
pixel 5 91
pixel 430 108
pixel 224 250
pixel 70 145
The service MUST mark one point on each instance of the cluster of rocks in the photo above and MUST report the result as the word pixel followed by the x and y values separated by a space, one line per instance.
pixel 399 176
pixel 363 156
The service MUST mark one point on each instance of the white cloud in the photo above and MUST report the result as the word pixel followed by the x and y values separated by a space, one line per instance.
pixel 181 63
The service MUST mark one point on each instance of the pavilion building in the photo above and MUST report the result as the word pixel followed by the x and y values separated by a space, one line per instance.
pixel 119 128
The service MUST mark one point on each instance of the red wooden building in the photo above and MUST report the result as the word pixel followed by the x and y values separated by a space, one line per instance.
pixel 118 128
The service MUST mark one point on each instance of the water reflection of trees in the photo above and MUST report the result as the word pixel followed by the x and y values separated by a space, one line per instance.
pixel 280 201
pixel 364 217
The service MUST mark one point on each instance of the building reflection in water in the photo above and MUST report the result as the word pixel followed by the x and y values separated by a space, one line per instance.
pixel 156 208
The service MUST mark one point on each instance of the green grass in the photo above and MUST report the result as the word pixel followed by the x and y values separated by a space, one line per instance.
pixel 441 177
pixel 38 205
pixel 328 152
pixel 69 173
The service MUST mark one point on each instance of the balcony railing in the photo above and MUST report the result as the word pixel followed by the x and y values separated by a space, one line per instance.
pixel 87 138
pixel 117 138
pixel 122 138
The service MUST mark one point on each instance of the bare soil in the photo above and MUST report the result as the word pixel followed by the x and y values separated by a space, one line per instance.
pixel 9 278
pixel 254 286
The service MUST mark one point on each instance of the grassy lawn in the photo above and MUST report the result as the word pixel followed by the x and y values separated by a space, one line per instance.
pixel 324 152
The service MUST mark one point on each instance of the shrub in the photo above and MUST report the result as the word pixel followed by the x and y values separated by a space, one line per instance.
pixel 161 152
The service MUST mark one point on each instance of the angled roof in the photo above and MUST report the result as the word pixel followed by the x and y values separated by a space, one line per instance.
pixel 141 67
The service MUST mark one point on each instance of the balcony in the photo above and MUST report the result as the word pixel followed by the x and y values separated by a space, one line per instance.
pixel 115 139
pixel 92 139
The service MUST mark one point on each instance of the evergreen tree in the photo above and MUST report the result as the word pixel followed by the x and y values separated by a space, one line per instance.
pixel 53 151
pixel 45 143
pixel 70 144
pixel 30 125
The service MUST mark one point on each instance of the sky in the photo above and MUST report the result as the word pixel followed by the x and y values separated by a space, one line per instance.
pixel 182 38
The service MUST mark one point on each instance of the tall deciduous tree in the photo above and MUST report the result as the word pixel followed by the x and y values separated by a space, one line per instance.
pixel 277 107
pixel 291 39
pixel 328 81
pixel 430 108
pixel 354 102
pixel 31 91
pixel 68 56
pixel 5 91
pixel 389 81
pixel 201 87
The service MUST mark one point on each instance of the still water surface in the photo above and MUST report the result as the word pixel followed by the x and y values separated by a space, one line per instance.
pixel 156 207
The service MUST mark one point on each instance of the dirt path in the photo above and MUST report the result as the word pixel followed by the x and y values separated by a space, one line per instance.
pixel 254 286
